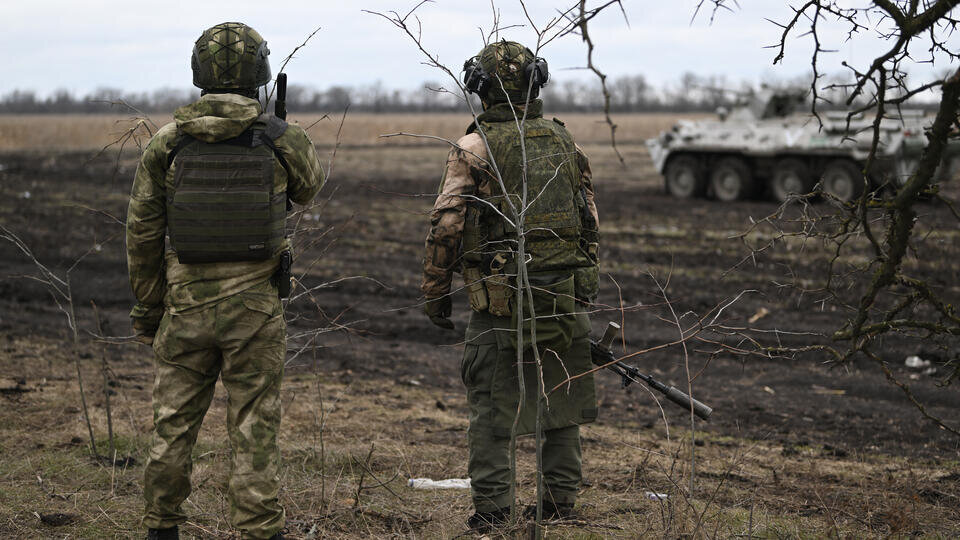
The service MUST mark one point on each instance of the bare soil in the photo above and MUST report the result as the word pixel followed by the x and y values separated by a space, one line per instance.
pixel 822 440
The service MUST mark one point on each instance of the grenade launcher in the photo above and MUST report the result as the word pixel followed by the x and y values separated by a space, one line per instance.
pixel 602 356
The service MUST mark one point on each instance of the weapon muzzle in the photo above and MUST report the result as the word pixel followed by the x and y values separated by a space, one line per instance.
pixel 685 401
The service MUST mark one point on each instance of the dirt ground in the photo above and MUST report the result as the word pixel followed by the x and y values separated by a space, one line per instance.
pixel 796 447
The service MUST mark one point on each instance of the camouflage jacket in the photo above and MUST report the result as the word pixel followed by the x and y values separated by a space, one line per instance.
pixel 468 174
pixel 158 279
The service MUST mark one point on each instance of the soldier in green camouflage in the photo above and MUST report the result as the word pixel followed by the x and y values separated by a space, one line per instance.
pixel 205 234
pixel 474 230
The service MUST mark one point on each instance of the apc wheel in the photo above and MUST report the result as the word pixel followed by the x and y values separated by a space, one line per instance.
pixel 790 175
pixel 843 180
pixel 731 180
pixel 684 177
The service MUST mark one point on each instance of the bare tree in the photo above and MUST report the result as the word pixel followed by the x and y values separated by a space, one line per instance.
pixel 706 328
pixel 885 297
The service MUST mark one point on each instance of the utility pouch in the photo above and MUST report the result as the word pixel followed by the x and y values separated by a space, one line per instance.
pixel 593 251
pixel 586 283
pixel 475 289
pixel 283 274
pixel 553 314
pixel 499 287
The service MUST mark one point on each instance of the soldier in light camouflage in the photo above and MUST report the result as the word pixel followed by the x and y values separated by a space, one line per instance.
pixel 206 296
pixel 472 232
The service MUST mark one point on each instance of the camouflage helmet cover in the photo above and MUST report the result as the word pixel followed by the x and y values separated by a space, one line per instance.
pixel 230 56
pixel 506 63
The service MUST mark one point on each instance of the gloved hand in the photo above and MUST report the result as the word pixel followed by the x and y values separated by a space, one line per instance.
pixel 439 310
pixel 143 332
pixel 145 321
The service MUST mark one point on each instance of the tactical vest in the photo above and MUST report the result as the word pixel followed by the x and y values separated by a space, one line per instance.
pixel 555 227
pixel 223 206
pixel 554 219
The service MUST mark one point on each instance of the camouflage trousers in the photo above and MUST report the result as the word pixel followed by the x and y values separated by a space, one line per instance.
pixel 241 340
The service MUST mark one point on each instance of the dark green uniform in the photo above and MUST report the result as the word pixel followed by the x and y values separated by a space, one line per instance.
pixel 561 245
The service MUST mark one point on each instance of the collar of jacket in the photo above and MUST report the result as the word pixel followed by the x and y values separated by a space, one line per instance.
pixel 503 112
pixel 217 117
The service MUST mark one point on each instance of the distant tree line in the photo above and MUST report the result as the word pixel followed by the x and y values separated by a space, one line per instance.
pixel 101 100
pixel 632 93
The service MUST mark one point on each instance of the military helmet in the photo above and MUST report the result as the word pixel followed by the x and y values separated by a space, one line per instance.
pixel 230 56
pixel 503 70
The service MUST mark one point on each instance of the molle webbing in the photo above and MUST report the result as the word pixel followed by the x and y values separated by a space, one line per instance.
pixel 552 220
pixel 223 207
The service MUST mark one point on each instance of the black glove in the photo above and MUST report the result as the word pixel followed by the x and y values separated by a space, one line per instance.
pixel 439 310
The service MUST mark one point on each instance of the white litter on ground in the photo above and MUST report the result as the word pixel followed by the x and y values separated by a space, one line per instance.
pixel 449 483
pixel 916 362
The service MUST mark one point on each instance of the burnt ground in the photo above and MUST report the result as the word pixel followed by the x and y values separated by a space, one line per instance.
pixel 370 228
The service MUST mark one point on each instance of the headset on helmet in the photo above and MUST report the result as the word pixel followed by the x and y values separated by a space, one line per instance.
pixel 478 81
pixel 537 72
pixel 475 78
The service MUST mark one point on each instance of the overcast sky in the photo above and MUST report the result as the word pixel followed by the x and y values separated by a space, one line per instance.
pixel 141 46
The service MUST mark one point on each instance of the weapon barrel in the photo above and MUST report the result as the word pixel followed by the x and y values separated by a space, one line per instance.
pixel 685 401
pixel 601 356
pixel 280 111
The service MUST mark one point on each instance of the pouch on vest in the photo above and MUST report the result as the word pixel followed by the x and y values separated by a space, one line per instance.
pixel 554 307
pixel 586 283
pixel 477 293
pixel 499 286
pixel 223 207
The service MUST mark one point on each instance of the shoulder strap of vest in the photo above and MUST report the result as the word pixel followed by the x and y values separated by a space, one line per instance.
pixel 182 141
pixel 274 128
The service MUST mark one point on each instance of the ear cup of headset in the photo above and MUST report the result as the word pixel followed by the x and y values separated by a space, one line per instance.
pixel 538 72
pixel 475 79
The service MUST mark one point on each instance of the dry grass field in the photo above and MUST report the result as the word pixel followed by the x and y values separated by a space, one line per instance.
pixel 58 133
pixel 796 448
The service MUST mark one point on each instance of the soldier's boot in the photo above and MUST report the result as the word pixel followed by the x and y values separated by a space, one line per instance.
pixel 551 511
pixel 170 533
pixel 485 522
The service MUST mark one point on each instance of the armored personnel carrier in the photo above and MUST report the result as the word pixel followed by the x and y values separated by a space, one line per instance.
pixel 765 147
